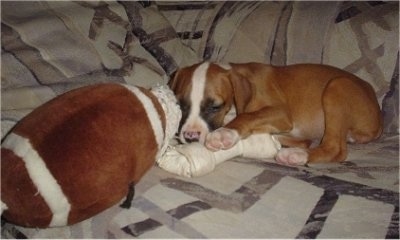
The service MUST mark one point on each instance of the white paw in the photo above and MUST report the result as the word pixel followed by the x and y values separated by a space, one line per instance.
pixel 222 138
pixel 292 156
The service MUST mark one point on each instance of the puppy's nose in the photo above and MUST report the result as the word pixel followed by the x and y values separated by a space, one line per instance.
pixel 191 136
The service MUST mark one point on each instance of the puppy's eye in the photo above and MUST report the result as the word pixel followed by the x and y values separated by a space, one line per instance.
pixel 184 106
pixel 215 108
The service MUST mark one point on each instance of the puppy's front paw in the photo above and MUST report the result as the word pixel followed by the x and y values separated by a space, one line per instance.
pixel 292 156
pixel 222 138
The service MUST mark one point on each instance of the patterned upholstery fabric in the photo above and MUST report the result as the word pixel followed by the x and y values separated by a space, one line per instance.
pixel 52 47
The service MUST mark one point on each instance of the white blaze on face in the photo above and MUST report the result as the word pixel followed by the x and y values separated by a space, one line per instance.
pixel 194 123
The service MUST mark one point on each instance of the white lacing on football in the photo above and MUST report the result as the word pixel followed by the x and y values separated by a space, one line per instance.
pixel 172 112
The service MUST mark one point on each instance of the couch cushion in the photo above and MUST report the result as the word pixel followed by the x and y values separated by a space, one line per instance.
pixel 53 47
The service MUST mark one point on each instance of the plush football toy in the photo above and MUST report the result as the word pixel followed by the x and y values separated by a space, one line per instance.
pixel 194 159
pixel 83 151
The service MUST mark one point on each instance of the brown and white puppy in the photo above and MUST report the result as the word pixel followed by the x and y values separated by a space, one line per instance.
pixel 300 104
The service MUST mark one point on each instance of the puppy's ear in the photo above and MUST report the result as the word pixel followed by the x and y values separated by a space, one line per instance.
pixel 242 90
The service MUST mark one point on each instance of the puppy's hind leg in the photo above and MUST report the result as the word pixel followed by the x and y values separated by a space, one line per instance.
pixel 336 103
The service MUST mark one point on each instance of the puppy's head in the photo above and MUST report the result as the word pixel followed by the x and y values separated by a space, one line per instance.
pixel 205 94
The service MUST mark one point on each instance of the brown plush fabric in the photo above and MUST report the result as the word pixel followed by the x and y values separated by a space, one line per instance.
pixel 95 141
